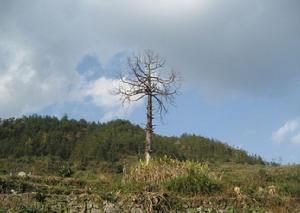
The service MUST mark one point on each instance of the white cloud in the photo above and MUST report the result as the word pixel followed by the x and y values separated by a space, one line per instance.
pixel 24 85
pixel 102 91
pixel 169 7
pixel 221 47
pixel 295 139
pixel 288 128
pixel 288 133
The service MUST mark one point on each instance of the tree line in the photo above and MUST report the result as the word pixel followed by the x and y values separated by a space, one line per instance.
pixel 80 140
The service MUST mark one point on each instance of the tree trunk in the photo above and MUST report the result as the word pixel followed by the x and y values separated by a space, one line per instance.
pixel 149 130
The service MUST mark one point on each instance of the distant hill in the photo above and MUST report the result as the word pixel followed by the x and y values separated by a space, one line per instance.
pixel 113 141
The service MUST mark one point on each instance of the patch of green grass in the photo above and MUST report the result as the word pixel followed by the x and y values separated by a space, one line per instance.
pixel 194 182
pixel 292 189
pixel 65 171
pixel 85 175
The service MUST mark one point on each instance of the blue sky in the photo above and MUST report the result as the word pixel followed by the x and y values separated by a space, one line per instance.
pixel 239 61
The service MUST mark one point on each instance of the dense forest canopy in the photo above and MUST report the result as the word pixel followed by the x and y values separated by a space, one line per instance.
pixel 78 140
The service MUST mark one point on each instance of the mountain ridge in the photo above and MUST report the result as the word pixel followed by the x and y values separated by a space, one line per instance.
pixel 78 140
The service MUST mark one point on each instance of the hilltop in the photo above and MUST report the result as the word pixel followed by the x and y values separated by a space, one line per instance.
pixel 78 140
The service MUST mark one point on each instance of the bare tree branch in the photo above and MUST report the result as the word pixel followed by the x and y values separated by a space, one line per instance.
pixel 145 79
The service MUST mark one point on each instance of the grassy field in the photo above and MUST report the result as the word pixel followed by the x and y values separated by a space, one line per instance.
pixel 166 185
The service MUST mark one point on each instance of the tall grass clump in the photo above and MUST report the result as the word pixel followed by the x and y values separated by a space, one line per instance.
pixel 187 177
pixel 161 170
pixel 194 182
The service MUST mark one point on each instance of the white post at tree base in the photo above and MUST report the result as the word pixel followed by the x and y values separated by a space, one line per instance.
pixel 147 157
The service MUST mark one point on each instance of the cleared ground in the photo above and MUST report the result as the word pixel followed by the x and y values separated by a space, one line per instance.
pixel 165 185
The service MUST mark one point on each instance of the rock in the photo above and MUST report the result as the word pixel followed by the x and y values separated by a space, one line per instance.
pixel 90 205
pixel 260 190
pixel 13 192
pixel 200 209
pixel 111 208
pixel 136 210
pixel 272 190
pixel 95 210
pixel 22 174
pixel 191 210
pixel 237 190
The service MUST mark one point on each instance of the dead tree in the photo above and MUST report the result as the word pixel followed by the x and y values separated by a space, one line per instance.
pixel 147 77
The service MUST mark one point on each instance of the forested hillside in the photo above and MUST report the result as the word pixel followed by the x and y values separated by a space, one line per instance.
pixel 113 141
pixel 64 165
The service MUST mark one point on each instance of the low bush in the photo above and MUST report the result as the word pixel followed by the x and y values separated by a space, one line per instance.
pixel 161 170
pixel 194 182
pixel 292 189
pixel 65 171
pixel 186 177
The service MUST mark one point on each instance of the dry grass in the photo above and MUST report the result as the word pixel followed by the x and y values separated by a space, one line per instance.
pixel 162 170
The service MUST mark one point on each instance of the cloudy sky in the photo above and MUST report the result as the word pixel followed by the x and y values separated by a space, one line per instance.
pixel 239 61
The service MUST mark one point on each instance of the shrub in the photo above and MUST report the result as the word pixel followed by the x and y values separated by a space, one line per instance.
pixel 65 171
pixel 161 170
pixel 194 182
pixel 186 177
pixel 3 172
pixel 291 189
